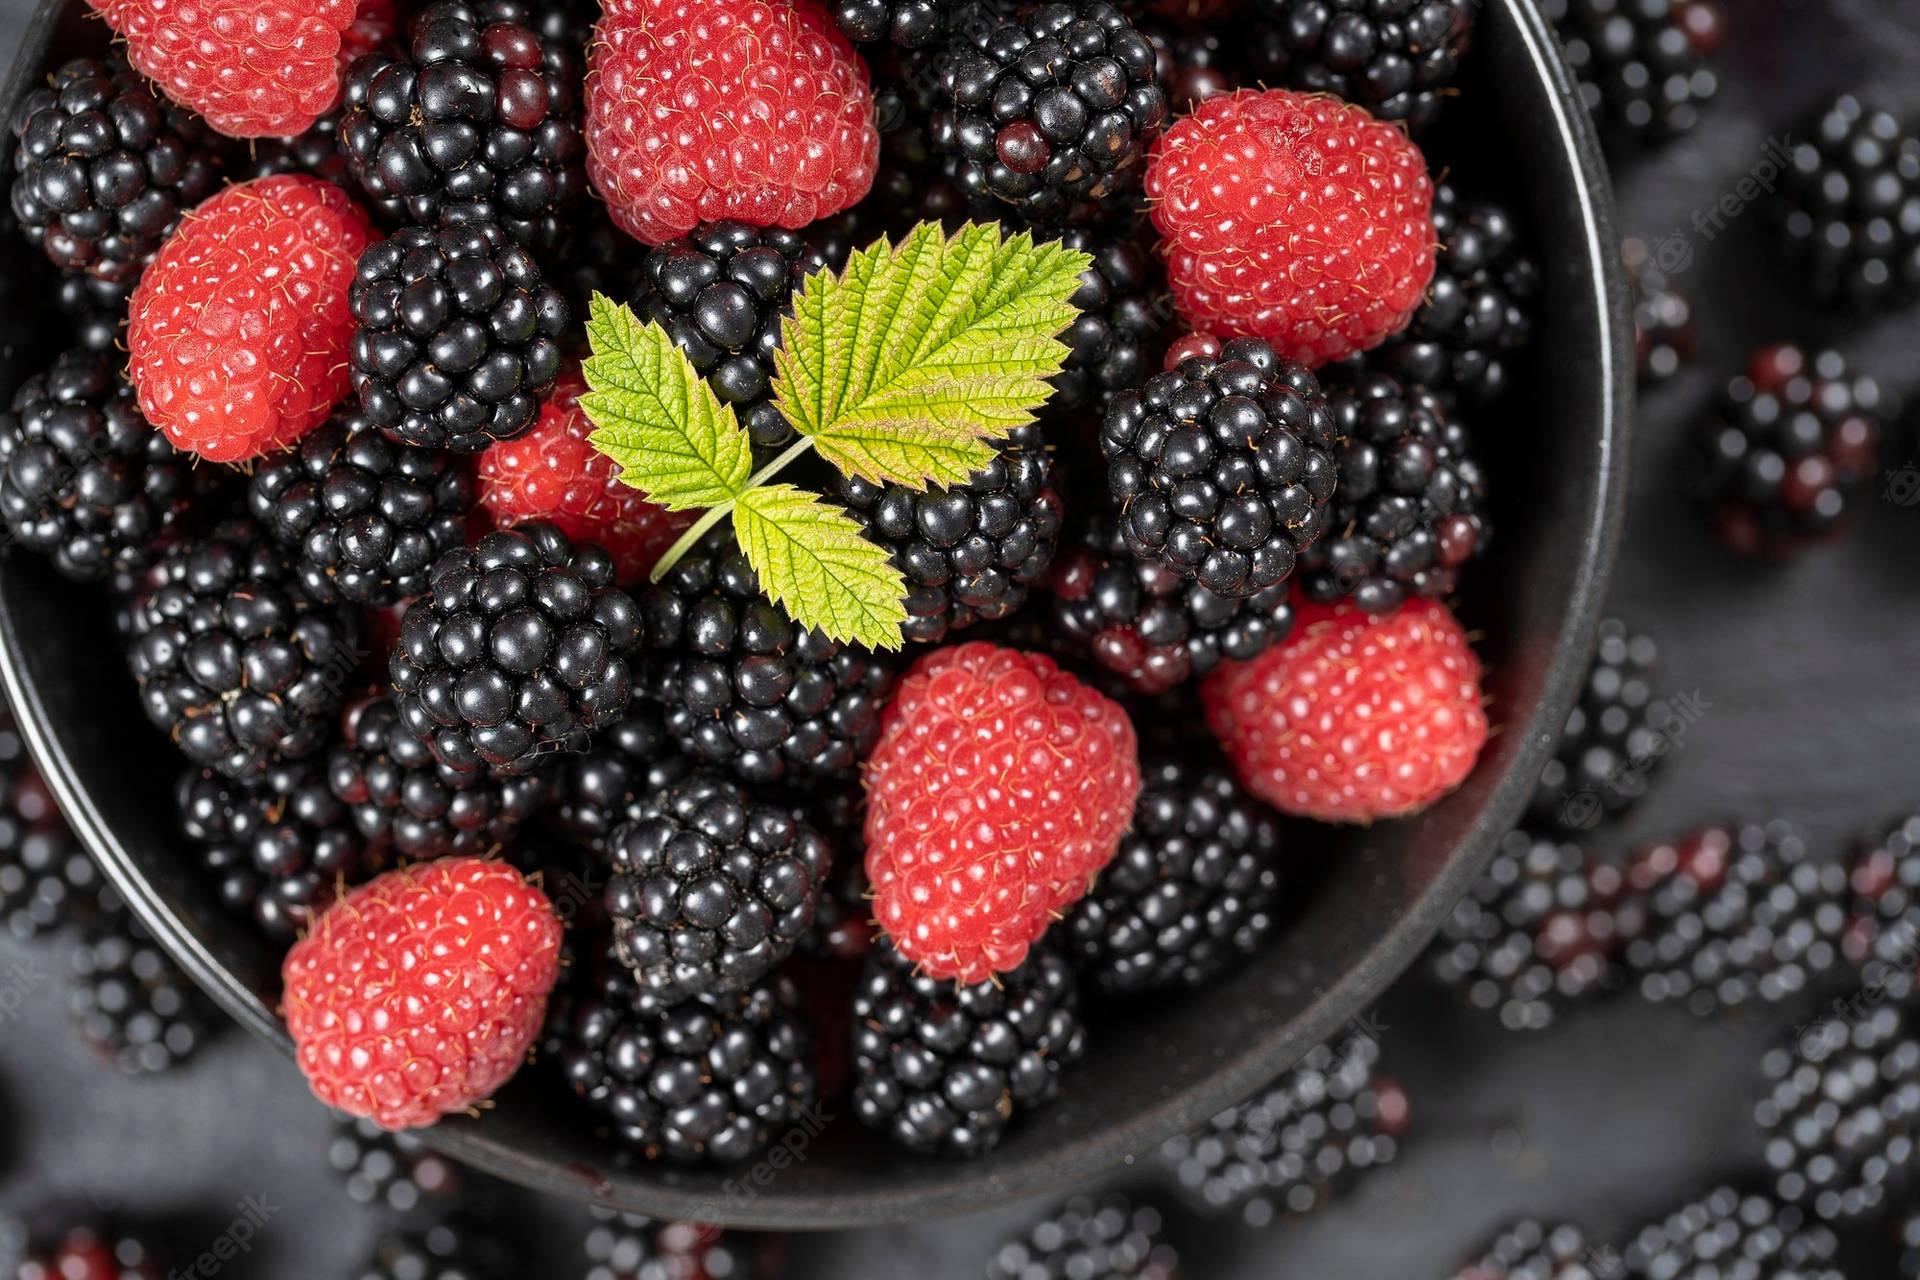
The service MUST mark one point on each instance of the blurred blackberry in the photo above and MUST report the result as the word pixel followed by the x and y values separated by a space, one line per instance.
pixel 447 1248
pixel 941 1066
pixel 104 167
pixel 233 663
pixel 316 152
pixel 594 256
pixel 96 312
pixel 1849 207
pixel 1191 890
pixel 1883 932
pixel 397 1170
pixel 743 686
pixel 1409 509
pixel 1197 61
pixel 1085 1239
pixel 629 1247
pixel 1051 113
pixel 1664 333
pixel 1532 1250
pixel 1731 1233
pixel 1125 310
pixel 84 479
pixel 128 1002
pixel 1614 738
pixel 85 1251
pixel 476 119
pixel 47 880
pixel 1735 916
pixel 1223 470
pixel 1791 443
pixel 1643 65
pixel 1396 58
pixel 458 336
pixel 628 764
pixel 1296 1144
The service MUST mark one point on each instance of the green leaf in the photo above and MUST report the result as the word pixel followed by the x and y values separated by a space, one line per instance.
pixel 905 365
pixel 813 560
pixel 656 417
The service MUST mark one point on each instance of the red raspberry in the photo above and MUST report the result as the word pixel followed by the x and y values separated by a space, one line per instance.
pixel 1293 217
pixel 1353 717
pixel 553 474
pixel 419 993
pixel 253 68
pixel 999 788
pixel 239 328
pixel 699 110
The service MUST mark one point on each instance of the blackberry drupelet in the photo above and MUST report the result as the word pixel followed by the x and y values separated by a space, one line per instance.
pixel 1665 336
pixel 455 1247
pixel 1532 1250
pixel 944 1067
pixel 518 650
pixel 128 1002
pixel 317 151
pixel 710 890
pixel 397 1170
pixel 1408 510
pixel 1396 58
pixel 1195 62
pixel 104 167
pixel 476 119
pixel 969 553
pixel 233 663
pixel 911 24
pixel 95 310
pixel 1118 338
pixel 83 478
pixel 743 686
pixel 1111 1238
pixel 1849 207
pixel 1050 114
pixel 1731 1233
pixel 629 763
pixel 1793 440
pixel 1883 933
pixel 1191 890
pixel 1643 65
pixel 364 517
pixel 1615 737
pixel 1223 470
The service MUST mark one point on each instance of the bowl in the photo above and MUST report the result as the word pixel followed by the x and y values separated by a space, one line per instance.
pixel 1364 900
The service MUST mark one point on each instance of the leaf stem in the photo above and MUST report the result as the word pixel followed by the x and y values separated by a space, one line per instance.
pixel 714 515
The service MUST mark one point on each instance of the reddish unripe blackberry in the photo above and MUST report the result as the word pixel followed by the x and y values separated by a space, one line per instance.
pixel 1109 1239
pixel 1614 738
pixel 1849 207
pixel 84 1252
pixel 1665 336
pixel 1644 66
pixel 1396 58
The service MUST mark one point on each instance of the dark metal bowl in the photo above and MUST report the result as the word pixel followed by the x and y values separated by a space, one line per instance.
pixel 1365 900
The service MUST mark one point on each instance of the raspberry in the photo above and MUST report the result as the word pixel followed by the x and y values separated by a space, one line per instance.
pixel 420 993
pixel 1293 217
pixel 999 788
pixel 553 474
pixel 1354 717
pixel 240 330
pixel 253 68
pixel 699 110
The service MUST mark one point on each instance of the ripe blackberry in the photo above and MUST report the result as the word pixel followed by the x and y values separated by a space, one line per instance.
pixel 317 151
pixel 1735 916
pixel 519 649
pixel 397 1170
pixel 1191 890
pixel 476 119
pixel 104 167
pixel 1050 113
pixel 1883 933
pixel 1125 310
pixel 1195 62
pixel 96 311
pixel 1792 441
pixel 1849 207
pixel 1614 738
pixel 945 1067
pixel 232 662
pixel 83 478
pixel 1532 1250
pixel 911 24
pixel 1396 58
pixel 1664 333
pixel 1223 470
pixel 710 890
pixel 629 763
pixel 1107 1239
pixel 1149 626
pixel 746 688
pixel 1408 510
pixel 1642 64
pixel 968 553
pixel 1296 1144
pixel 449 1248
pixel 1731 1233
pixel 129 1003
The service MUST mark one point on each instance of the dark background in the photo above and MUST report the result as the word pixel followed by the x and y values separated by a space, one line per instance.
pixel 1810 678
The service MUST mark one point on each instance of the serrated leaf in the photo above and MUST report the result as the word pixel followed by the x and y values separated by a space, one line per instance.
pixel 656 417
pixel 901 365
pixel 813 560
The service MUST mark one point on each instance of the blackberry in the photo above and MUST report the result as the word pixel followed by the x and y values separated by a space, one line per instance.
pixel 1296 1144
pixel 594 256
pixel 1051 113
pixel 1792 441
pixel 83 478
pixel 128 1002
pixel 1192 888
pixel 629 763
pixel 1643 65
pixel 629 1247
pixel 1849 207
pixel 104 167
pixel 944 1067
pixel 710 890
pixel 1196 62
pixel 1731 1233
pixel 1223 470
pixel 47 880
pixel 968 553
pixel 1532 1250
pixel 1883 933
pixel 364 517
pixel 232 662
pixel 96 310
pixel 519 649
pixel 1664 333
pixel 1478 311
pixel 1085 1239
pixel 1735 916
pixel 477 119
pixel 746 688
pixel 1408 511
pixel 911 24
pixel 1614 738
pixel 1396 58
pixel 84 1251
pixel 448 1248
pixel 316 152
pixel 1118 338
pixel 397 1170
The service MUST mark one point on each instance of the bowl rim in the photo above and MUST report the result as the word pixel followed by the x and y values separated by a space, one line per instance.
pixel 1332 1005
